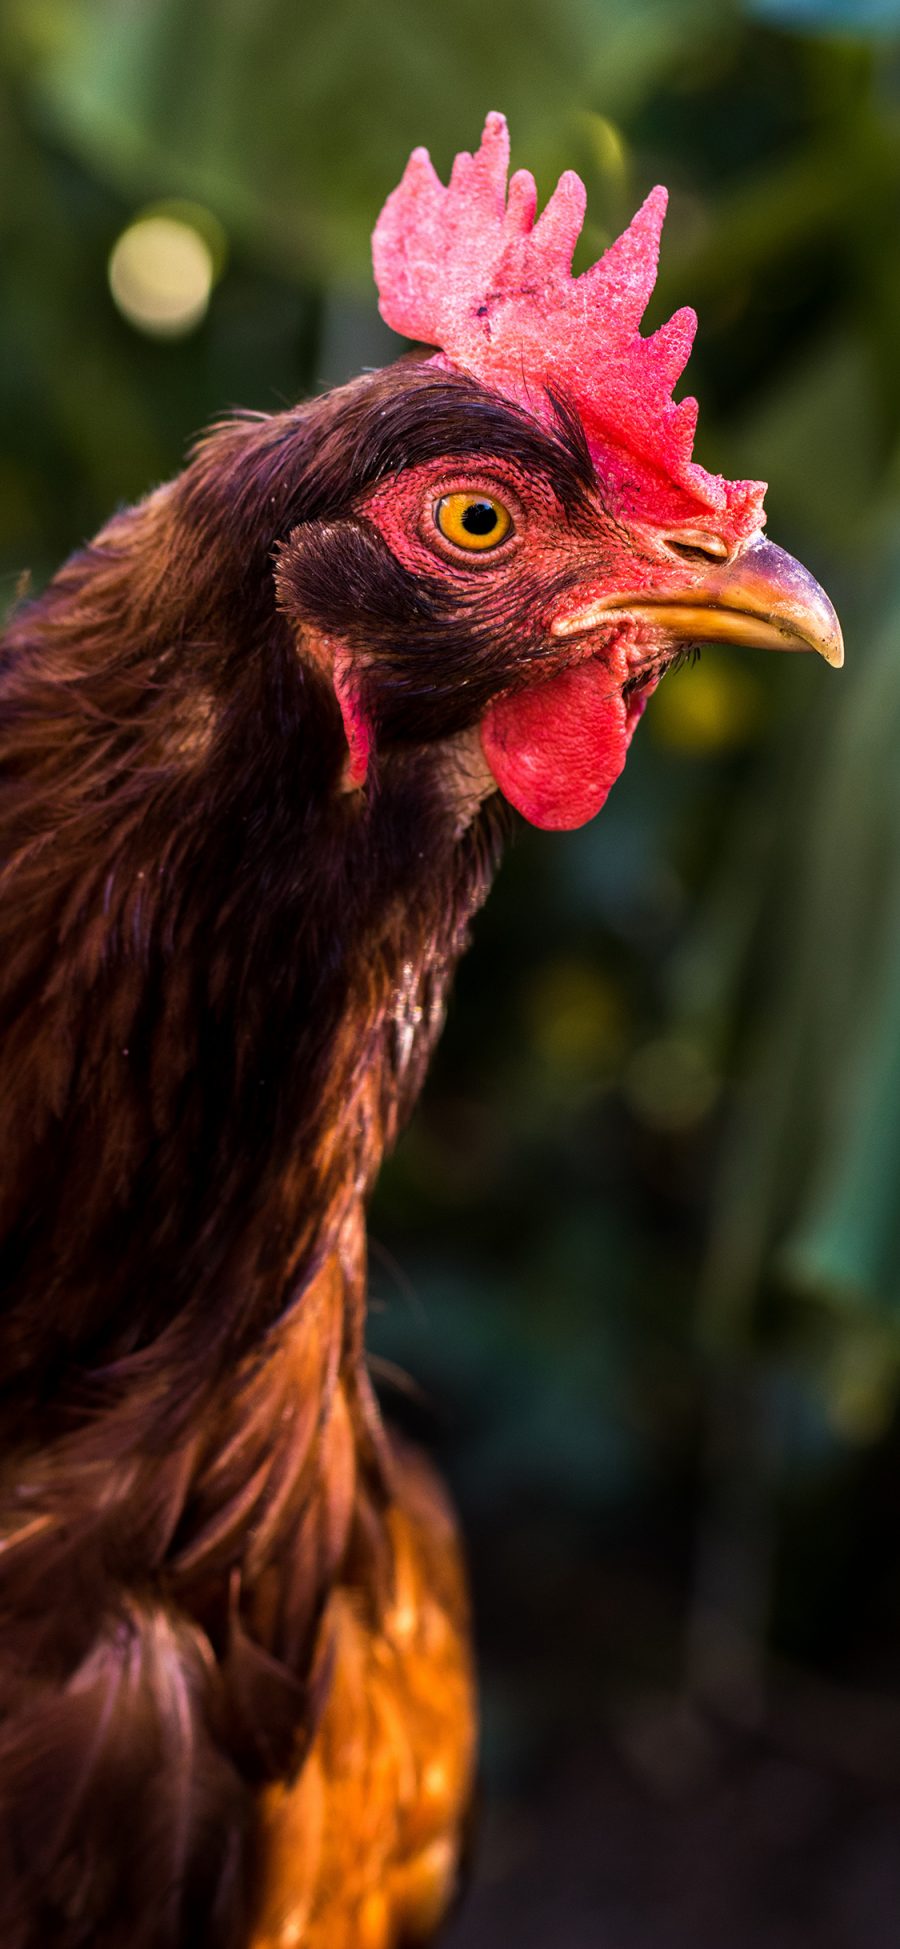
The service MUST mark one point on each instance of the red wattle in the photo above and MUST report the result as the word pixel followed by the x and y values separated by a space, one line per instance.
pixel 557 748
pixel 357 729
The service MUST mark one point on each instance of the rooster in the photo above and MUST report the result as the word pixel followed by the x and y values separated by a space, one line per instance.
pixel 259 739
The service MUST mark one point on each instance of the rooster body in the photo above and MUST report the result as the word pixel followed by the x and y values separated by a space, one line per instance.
pixel 251 739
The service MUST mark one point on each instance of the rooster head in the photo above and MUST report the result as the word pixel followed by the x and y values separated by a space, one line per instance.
pixel 549 547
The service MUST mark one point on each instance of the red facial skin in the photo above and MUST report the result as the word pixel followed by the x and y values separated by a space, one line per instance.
pixel 557 744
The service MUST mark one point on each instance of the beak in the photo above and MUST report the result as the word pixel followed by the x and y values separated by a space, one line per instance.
pixel 763 598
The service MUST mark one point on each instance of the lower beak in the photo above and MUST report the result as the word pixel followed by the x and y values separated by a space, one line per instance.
pixel 764 599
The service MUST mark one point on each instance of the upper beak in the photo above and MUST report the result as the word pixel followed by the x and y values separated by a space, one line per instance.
pixel 763 598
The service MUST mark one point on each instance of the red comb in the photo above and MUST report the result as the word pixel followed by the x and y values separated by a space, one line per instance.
pixel 467 269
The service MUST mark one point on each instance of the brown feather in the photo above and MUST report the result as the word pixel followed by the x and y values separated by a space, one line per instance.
pixel 234 1675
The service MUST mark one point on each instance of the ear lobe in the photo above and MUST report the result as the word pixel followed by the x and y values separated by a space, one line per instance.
pixel 357 729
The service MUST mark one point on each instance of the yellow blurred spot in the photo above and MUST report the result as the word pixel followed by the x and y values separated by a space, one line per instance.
pixel 669 1084
pixel 607 147
pixel 576 1017
pixel 860 1414
pixel 713 706
pixel 861 1389
pixel 163 267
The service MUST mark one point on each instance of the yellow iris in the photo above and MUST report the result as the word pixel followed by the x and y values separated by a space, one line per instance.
pixel 473 521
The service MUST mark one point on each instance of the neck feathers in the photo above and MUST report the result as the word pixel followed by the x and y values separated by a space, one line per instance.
pixel 220 978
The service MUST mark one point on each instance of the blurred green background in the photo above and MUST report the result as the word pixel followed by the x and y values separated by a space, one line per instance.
pixel 640 1251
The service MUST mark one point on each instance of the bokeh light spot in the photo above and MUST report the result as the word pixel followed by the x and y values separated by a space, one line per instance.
pixel 669 1084
pixel 161 273
pixel 861 1385
pixel 608 147
pixel 715 706
pixel 576 1018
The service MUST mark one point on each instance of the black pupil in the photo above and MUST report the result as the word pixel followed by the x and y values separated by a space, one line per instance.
pixel 480 519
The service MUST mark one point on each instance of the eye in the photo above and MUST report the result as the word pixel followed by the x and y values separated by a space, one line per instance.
pixel 474 521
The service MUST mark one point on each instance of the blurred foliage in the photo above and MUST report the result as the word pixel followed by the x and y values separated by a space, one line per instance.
pixel 304 117
pixel 641 1247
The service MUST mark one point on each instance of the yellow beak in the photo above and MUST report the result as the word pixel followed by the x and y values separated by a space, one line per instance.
pixel 763 598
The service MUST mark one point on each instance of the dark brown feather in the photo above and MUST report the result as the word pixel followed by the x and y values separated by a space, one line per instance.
pixel 220 982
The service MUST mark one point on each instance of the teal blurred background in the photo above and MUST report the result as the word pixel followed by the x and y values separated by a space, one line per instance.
pixel 640 1251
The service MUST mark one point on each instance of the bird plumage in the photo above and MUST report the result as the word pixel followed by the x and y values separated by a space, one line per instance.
pixel 221 982
pixel 250 744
